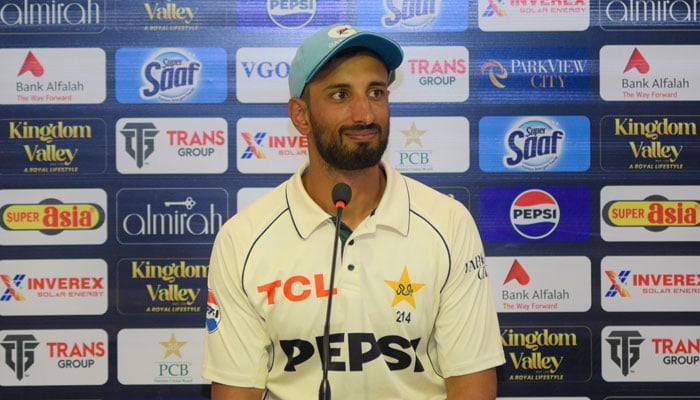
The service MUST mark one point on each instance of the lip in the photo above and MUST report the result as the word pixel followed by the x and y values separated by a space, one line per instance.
pixel 362 135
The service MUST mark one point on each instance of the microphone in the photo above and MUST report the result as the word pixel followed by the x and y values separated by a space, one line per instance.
pixel 341 197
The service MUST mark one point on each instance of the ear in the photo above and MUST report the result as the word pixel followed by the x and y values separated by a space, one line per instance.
pixel 299 114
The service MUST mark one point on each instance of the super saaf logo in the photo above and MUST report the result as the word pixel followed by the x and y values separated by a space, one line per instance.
pixel 53 216
pixel 171 75
pixel 650 213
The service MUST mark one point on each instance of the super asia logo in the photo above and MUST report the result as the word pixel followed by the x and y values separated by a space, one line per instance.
pixel 655 213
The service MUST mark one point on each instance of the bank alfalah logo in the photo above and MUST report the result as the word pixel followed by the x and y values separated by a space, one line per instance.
pixel 625 349
pixel 139 140
pixel 19 353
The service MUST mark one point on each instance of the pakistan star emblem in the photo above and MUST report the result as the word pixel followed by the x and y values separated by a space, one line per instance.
pixel 404 289
pixel 413 135
pixel 172 346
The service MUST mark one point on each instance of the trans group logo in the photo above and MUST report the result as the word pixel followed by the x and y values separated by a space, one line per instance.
pixel 172 145
pixel 413 15
pixel 534 144
pixel 549 214
pixel 650 353
pixel 432 74
pixel 171 75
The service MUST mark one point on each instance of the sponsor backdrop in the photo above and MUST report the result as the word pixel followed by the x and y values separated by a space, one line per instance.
pixel 131 130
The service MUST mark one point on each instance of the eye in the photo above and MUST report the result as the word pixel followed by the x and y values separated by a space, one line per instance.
pixel 377 93
pixel 339 95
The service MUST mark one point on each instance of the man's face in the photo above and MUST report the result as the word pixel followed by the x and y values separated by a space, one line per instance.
pixel 349 112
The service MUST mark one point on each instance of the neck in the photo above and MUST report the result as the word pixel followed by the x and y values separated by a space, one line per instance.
pixel 367 189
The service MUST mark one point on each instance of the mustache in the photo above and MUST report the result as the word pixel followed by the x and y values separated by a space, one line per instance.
pixel 360 127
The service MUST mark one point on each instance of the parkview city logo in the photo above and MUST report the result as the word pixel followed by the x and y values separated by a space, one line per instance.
pixel 55 216
pixel 53 146
pixel 52 17
pixel 635 283
pixel 533 15
pixel 53 287
pixel 650 353
pixel 649 73
pixel 413 16
pixel 650 213
pixel 171 75
pixel 50 76
pixel 654 143
pixel 63 357
pixel 534 143
pixel 535 73
pixel 541 284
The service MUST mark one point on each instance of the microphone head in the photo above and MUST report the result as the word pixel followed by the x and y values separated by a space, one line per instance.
pixel 341 194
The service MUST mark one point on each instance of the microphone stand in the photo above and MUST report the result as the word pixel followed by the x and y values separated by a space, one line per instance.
pixel 341 197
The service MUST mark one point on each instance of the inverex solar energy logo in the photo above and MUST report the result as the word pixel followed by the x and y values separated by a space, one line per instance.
pixel 413 16
pixel 170 216
pixel 533 15
pixel 56 16
pixel 534 144
pixel 171 75
pixel 540 73
pixel 520 214
pixel 257 15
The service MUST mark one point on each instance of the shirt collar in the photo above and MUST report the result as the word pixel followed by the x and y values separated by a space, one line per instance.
pixel 392 211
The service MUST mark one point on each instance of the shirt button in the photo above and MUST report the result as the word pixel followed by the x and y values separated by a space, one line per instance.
pixel 351 267
pixel 351 242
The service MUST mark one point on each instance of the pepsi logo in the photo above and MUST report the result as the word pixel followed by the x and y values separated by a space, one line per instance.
pixel 534 214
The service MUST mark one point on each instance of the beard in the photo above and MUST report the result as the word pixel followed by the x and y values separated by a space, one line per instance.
pixel 340 156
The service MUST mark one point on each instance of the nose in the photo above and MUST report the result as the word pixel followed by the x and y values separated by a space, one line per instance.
pixel 361 108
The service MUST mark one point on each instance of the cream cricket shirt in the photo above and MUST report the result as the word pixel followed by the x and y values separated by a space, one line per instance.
pixel 412 302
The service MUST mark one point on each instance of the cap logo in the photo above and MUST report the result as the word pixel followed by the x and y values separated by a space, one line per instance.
pixel 342 31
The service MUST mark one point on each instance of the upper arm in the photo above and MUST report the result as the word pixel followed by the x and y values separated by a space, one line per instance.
pixel 475 386
pixel 220 391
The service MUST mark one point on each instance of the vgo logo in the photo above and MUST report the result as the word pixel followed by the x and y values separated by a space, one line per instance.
pixel 534 214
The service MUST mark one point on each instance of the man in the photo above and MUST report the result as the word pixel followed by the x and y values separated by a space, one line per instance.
pixel 412 312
